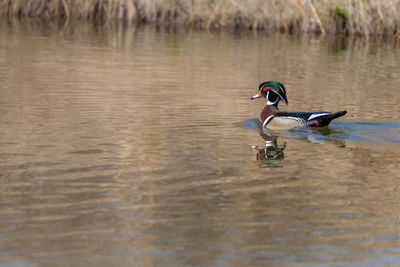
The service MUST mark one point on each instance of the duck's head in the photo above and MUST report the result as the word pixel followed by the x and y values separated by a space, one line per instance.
pixel 273 92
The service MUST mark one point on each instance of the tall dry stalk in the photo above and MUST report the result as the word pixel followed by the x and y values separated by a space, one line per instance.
pixel 363 17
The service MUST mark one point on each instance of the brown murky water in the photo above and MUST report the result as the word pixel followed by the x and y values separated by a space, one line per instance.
pixel 139 147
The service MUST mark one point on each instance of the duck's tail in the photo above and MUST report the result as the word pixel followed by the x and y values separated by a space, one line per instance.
pixel 325 120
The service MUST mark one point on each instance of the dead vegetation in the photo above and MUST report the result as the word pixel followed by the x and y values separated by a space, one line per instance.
pixel 362 17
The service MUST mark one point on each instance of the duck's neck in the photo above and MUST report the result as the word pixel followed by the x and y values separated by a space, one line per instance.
pixel 268 111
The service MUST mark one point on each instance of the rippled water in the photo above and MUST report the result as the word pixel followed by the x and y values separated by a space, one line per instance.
pixel 140 147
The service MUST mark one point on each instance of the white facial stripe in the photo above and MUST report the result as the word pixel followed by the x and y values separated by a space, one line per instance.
pixel 280 96
pixel 269 103
pixel 283 89
pixel 276 101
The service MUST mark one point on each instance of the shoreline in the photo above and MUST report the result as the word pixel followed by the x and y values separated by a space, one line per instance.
pixel 345 17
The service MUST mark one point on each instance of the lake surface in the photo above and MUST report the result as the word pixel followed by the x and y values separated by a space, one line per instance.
pixel 140 147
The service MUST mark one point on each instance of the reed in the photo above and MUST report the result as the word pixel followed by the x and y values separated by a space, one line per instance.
pixel 364 17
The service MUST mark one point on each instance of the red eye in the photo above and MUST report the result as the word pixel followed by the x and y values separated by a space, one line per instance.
pixel 265 89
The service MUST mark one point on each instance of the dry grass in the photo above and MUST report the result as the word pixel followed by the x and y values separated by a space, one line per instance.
pixel 365 17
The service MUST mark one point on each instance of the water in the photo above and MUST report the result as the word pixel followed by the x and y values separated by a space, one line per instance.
pixel 140 147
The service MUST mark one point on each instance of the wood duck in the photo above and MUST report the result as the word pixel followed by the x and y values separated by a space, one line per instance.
pixel 272 118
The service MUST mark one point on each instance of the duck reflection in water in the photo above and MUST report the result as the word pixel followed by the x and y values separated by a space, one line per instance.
pixel 272 153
